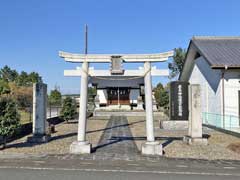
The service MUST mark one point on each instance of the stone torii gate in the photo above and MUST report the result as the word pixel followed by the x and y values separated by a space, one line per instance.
pixel 82 146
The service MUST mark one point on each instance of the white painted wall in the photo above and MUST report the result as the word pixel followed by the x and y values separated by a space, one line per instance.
pixel 134 93
pixel 210 82
pixel 232 86
pixel 102 93
pixel 211 88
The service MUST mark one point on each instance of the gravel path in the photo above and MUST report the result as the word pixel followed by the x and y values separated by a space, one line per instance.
pixel 60 142
pixel 174 146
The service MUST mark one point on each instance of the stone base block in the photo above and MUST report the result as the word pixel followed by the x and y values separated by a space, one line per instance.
pixel 152 148
pixel 174 125
pixel 39 138
pixel 195 141
pixel 78 147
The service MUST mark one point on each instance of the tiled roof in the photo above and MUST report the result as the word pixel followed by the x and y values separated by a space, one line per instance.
pixel 220 52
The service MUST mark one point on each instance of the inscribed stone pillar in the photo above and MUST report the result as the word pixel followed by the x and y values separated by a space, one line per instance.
pixel 195 116
pixel 39 113
pixel 195 129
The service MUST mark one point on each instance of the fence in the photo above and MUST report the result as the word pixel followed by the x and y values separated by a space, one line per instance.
pixel 26 113
pixel 228 122
pixel 53 111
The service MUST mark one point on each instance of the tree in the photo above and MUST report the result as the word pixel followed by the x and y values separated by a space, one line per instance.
pixel 91 94
pixel 55 97
pixel 4 87
pixel 92 91
pixel 25 79
pixel 7 74
pixel 22 79
pixel 34 77
pixel 161 95
pixel 9 118
pixel 176 66
pixel 69 109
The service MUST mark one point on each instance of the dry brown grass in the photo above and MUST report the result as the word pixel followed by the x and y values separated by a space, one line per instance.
pixel 235 147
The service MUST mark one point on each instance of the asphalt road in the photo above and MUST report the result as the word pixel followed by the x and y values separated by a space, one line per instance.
pixel 66 167
pixel 88 174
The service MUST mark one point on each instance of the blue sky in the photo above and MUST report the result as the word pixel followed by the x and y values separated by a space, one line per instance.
pixel 32 32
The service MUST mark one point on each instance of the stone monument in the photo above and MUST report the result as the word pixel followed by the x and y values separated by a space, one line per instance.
pixel 39 114
pixel 195 135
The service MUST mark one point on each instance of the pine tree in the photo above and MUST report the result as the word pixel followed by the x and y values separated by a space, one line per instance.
pixel 55 97
pixel 176 66
pixel 68 111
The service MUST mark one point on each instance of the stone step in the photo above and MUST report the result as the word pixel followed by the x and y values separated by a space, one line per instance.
pixel 98 113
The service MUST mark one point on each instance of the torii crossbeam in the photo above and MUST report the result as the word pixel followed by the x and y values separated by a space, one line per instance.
pixel 102 58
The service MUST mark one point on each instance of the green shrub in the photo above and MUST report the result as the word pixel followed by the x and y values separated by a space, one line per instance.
pixel 69 109
pixel 55 97
pixel 9 117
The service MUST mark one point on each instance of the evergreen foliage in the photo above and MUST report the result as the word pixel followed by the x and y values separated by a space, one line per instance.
pixel 9 117
pixel 18 86
pixel 25 79
pixel 4 87
pixel 69 108
pixel 161 95
pixel 21 79
pixel 7 74
pixel 176 66
pixel 55 97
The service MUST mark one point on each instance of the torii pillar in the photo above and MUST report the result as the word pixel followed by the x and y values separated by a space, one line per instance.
pixel 151 147
pixel 82 146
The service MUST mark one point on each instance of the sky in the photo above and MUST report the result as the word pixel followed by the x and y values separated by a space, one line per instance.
pixel 32 32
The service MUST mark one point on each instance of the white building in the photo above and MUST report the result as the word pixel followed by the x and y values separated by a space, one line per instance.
pixel 124 91
pixel 214 63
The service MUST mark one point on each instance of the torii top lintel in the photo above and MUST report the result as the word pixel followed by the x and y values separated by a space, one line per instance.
pixel 98 58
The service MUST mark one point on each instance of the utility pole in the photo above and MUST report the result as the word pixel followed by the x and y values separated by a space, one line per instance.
pixel 86 39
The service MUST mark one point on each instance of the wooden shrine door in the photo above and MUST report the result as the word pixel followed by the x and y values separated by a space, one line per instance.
pixel 118 95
